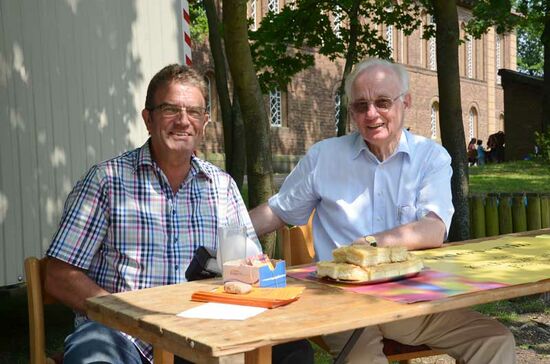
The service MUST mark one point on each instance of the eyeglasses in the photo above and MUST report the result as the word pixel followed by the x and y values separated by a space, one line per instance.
pixel 381 104
pixel 168 111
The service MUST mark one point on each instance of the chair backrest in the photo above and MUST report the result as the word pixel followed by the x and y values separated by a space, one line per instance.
pixel 298 244
pixel 37 298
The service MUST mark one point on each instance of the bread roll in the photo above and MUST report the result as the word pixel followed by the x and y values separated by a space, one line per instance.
pixel 237 287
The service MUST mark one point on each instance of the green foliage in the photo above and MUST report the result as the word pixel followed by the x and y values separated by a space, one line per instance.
pixel 542 140
pixel 527 16
pixel 199 22
pixel 530 56
pixel 285 43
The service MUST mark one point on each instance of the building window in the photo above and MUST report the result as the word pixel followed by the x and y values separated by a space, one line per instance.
pixel 434 116
pixel 472 123
pixel 273 6
pixel 469 57
pixel 432 61
pixel 389 38
pixel 275 108
pixel 337 21
pixel 337 106
pixel 498 47
pixel 252 14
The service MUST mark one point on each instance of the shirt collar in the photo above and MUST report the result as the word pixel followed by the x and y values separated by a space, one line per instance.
pixel 360 145
pixel 144 158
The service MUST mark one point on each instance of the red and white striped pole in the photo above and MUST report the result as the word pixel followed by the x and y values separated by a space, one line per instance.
pixel 186 26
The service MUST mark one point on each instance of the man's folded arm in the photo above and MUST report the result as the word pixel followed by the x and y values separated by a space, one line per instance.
pixel 70 285
pixel 428 232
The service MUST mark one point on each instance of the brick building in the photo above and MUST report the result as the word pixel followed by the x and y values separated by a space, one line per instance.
pixel 305 112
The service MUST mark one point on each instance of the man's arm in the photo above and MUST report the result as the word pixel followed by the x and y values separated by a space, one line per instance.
pixel 265 220
pixel 427 232
pixel 70 285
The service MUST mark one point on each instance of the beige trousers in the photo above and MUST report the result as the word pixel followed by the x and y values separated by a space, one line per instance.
pixel 466 335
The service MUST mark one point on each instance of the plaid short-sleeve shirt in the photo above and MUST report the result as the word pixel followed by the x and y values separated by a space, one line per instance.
pixel 124 214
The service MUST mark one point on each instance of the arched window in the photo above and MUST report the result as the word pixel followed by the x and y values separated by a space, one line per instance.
pixel 337 106
pixel 472 123
pixel 432 61
pixel 469 57
pixel 275 108
pixel 252 14
pixel 434 119
pixel 498 58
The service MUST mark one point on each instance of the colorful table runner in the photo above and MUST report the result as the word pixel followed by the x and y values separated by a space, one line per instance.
pixel 426 286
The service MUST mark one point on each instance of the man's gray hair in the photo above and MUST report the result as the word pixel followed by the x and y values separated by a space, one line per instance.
pixel 362 66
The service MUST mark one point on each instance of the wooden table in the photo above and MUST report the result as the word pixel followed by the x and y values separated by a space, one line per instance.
pixel 150 315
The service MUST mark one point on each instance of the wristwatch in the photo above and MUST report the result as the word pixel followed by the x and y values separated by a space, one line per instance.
pixel 370 240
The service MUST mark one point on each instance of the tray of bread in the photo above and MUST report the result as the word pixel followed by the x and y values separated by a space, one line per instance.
pixel 365 264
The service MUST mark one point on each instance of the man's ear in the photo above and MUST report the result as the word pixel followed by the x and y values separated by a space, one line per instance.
pixel 407 100
pixel 206 122
pixel 146 115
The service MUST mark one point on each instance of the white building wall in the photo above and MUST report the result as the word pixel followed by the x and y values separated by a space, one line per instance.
pixel 73 79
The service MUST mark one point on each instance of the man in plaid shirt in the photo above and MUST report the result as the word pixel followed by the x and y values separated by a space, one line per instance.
pixel 134 221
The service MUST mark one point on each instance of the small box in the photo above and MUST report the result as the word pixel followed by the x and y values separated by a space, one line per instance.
pixel 262 276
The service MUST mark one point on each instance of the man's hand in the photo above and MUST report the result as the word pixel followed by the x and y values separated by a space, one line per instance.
pixel 70 285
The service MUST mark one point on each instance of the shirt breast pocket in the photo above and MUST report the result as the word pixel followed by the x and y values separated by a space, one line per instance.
pixel 406 214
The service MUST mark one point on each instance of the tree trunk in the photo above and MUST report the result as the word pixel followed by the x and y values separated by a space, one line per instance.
pixel 233 148
pixel 238 160
pixel 546 86
pixel 257 129
pixel 350 59
pixel 450 112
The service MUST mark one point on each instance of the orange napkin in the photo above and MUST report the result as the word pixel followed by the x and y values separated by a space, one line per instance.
pixel 258 297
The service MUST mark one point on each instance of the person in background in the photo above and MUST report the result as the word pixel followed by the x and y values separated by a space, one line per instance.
pixel 480 153
pixel 383 185
pixel 134 221
pixel 471 151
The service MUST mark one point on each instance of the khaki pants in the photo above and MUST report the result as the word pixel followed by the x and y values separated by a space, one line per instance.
pixel 466 335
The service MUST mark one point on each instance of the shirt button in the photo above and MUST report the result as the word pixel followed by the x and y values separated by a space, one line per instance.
pixel 176 238
pixel 379 219
pixel 177 267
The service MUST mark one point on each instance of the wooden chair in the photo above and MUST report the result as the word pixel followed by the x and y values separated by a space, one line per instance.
pixel 298 249
pixel 37 298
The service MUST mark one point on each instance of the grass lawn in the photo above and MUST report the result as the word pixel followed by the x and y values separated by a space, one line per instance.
pixel 522 176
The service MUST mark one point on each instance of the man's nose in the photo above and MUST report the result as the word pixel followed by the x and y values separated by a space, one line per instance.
pixel 183 117
pixel 371 110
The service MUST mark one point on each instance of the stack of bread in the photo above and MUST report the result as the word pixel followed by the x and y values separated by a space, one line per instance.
pixel 367 263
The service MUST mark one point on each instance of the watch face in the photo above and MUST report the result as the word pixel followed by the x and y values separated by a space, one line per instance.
pixel 371 240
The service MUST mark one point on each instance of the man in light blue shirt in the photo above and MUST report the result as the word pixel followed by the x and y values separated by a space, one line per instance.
pixel 383 184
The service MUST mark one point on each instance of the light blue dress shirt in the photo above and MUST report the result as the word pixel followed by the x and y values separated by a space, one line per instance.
pixel 354 194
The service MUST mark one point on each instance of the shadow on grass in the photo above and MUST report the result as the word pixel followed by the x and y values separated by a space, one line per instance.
pixel 14 336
